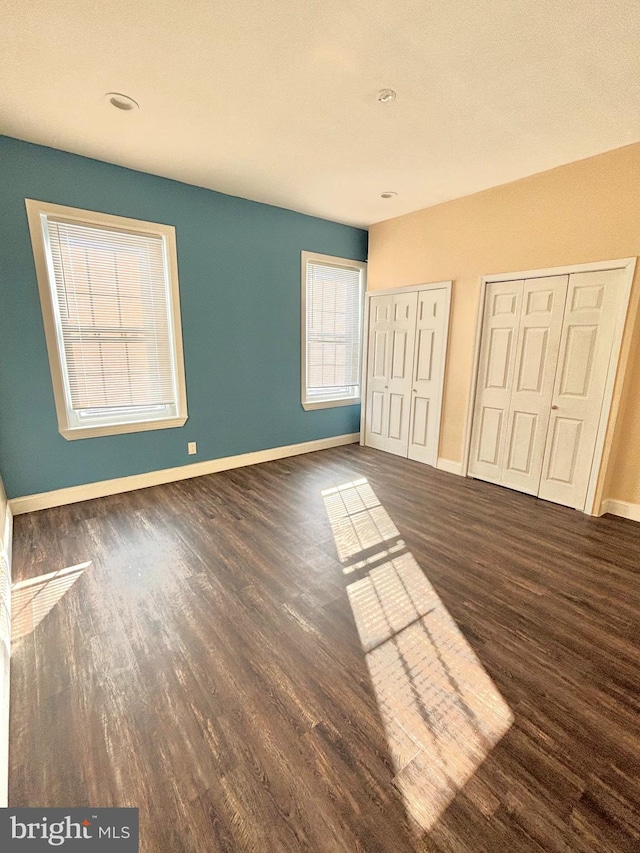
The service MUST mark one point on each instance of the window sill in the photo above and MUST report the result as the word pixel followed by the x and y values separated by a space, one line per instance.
pixel 330 404
pixel 72 434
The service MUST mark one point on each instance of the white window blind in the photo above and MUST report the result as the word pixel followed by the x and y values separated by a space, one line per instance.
pixel 113 314
pixel 333 325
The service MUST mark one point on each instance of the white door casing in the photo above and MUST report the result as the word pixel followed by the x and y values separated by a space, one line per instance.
pixel 432 322
pixel 585 350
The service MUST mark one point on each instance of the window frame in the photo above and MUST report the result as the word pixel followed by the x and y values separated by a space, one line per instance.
pixel 37 212
pixel 329 402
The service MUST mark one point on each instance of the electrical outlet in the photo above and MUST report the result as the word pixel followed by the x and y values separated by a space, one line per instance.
pixel 192 448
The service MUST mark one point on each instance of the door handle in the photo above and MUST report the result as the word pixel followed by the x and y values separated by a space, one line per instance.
pixel 554 407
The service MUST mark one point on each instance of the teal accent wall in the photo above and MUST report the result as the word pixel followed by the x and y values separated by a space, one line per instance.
pixel 239 268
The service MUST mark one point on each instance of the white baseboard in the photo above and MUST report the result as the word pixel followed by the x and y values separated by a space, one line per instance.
pixel 449 465
pixel 621 508
pixel 74 494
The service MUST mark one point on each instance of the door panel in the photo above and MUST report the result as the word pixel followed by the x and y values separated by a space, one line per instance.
pixel 522 442
pixel 499 358
pixel 424 354
pixel 398 353
pixel 578 361
pixel 565 443
pixel 432 319
pixel 533 358
pixel 500 323
pixel 420 423
pixel 379 362
pixel 538 344
pixel 490 434
pixel 583 362
pixel 396 419
pixel 376 420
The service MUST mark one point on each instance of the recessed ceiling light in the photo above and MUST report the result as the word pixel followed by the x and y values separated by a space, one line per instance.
pixel 121 102
pixel 388 194
pixel 385 96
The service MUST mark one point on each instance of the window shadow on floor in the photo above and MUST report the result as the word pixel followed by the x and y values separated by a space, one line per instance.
pixel 441 712
pixel 32 600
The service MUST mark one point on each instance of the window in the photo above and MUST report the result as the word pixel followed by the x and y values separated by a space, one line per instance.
pixel 332 297
pixel 109 294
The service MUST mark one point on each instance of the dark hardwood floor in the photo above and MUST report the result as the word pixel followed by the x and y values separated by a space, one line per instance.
pixel 343 651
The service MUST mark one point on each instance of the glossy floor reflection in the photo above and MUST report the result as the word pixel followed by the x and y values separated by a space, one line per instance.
pixel 33 599
pixel 441 711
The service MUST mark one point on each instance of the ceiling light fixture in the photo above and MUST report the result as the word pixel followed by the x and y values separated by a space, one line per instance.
pixel 385 96
pixel 388 194
pixel 121 102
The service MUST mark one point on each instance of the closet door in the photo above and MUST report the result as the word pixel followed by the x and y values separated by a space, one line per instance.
pixel 432 321
pixel 378 352
pixel 537 349
pixel 585 350
pixel 403 331
pixel 501 321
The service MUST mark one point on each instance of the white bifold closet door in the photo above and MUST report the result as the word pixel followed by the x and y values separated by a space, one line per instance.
pixel 405 372
pixel 376 426
pixel 519 349
pixel 544 356
pixel 392 329
pixel 580 379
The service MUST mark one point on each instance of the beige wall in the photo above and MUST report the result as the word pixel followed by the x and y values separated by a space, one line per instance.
pixel 585 211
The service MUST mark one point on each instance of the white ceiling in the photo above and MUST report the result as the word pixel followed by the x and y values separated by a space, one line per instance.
pixel 276 100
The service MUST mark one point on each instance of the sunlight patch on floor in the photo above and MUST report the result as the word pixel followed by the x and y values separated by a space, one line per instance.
pixel 442 713
pixel 358 521
pixel 35 598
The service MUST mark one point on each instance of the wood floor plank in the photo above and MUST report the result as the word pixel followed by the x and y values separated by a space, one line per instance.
pixel 203 661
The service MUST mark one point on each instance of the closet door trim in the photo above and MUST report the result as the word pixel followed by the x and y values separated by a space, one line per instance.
pixel 437 285
pixel 617 363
